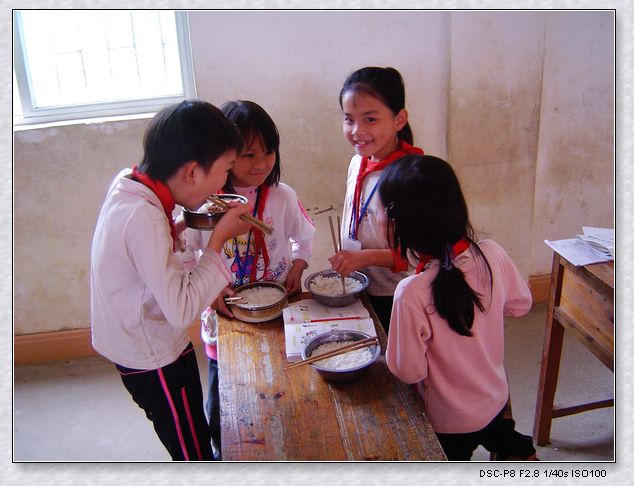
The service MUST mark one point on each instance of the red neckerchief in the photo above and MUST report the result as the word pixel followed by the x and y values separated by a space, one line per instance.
pixel 259 245
pixel 367 167
pixel 456 249
pixel 163 193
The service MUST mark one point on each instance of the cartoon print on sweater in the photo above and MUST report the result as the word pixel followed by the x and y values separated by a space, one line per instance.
pixel 243 262
pixel 235 250
pixel 246 263
pixel 274 274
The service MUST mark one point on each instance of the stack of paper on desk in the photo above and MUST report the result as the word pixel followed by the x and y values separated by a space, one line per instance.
pixel 596 245
pixel 307 318
pixel 600 239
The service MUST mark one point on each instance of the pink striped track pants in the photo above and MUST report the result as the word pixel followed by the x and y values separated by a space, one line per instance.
pixel 172 399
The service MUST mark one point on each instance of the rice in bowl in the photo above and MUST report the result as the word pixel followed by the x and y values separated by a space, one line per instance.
pixel 207 216
pixel 258 297
pixel 341 362
pixel 326 288
pixel 344 367
pixel 261 301
pixel 331 285
pixel 209 207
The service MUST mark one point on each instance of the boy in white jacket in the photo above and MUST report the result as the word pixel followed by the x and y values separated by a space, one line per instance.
pixel 141 300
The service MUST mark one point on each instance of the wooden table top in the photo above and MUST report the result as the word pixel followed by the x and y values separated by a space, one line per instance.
pixel 268 414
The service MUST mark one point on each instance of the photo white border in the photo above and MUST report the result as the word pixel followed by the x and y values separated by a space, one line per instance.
pixel 350 474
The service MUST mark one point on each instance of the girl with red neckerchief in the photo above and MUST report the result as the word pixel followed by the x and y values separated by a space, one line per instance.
pixel 375 123
pixel 447 329
pixel 254 256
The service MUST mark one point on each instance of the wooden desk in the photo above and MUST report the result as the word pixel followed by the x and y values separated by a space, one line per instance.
pixel 581 301
pixel 268 414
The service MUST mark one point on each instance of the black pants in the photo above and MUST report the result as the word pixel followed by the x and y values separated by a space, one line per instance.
pixel 499 436
pixel 213 406
pixel 172 399
pixel 382 305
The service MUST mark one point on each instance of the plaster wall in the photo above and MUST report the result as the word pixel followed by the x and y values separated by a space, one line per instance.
pixel 574 167
pixel 509 97
pixel 495 87
pixel 294 64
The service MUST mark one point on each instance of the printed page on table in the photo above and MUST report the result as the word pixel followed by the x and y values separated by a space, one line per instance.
pixel 309 310
pixel 305 319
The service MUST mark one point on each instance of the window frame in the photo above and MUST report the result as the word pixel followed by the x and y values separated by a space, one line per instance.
pixel 34 115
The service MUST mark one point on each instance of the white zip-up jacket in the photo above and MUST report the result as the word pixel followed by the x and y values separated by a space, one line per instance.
pixel 142 300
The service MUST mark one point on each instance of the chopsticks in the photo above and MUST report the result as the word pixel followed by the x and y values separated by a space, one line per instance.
pixel 231 300
pixel 245 217
pixel 363 343
pixel 337 247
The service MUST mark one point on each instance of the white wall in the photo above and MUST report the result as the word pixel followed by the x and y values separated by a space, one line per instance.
pixel 574 176
pixel 496 73
pixel 520 102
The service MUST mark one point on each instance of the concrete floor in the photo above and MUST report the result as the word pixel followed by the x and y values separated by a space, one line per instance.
pixel 79 411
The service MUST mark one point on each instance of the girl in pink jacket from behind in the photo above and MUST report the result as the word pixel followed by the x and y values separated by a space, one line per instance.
pixel 447 323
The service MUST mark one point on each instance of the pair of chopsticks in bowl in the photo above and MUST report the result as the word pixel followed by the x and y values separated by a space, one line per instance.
pixel 245 217
pixel 337 246
pixel 363 343
pixel 232 300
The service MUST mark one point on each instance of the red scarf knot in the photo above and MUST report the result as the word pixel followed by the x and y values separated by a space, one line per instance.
pixel 164 195
pixel 367 167
pixel 456 249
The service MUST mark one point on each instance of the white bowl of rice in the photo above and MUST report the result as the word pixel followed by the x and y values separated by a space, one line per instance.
pixel 261 301
pixel 343 367
pixel 327 289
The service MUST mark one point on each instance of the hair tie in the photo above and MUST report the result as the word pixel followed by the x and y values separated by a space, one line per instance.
pixel 447 262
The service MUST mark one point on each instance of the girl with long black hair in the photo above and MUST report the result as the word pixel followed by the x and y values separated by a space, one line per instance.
pixel 447 323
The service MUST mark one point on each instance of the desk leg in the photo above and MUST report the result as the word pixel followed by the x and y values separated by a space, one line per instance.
pixel 551 357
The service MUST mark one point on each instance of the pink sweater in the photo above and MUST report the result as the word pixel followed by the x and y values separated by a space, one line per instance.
pixel 464 382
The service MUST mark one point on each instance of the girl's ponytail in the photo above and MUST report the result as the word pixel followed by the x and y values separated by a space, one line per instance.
pixel 454 299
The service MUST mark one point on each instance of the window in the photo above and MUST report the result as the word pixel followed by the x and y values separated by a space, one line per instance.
pixel 71 64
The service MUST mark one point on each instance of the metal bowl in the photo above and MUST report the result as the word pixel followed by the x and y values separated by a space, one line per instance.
pixel 336 300
pixel 259 313
pixel 336 336
pixel 201 219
